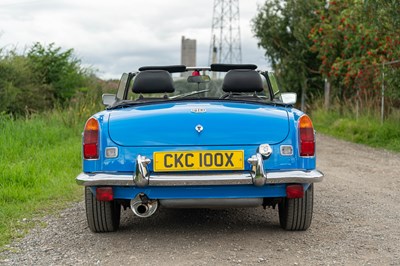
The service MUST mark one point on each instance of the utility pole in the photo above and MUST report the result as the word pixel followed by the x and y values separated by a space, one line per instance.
pixel 225 45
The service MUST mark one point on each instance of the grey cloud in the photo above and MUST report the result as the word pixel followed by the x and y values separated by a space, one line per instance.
pixel 117 36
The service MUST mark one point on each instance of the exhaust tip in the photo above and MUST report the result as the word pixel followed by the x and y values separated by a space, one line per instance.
pixel 143 207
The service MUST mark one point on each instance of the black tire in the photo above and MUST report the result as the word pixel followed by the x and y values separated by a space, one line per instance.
pixel 102 216
pixel 296 214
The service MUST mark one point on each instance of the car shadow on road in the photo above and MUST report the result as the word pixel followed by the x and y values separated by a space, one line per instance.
pixel 202 221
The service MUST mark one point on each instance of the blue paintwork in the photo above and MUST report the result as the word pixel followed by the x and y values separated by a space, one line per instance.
pixel 203 192
pixel 171 126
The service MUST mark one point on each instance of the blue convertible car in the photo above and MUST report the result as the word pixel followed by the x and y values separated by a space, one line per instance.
pixel 198 137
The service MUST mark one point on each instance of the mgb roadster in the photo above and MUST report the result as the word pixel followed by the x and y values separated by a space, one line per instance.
pixel 221 136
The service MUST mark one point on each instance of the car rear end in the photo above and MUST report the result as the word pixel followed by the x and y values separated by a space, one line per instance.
pixel 199 154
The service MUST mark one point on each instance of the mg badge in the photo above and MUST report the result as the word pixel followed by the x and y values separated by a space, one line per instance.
pixel 198 110
pixel 199 128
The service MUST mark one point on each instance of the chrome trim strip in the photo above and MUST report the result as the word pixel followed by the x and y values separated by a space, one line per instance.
pixel 102 179
pixel 201 180
pixel 244 178
pixel 296 176
pixel 198 68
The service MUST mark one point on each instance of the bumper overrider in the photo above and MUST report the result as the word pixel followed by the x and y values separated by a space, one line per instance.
pixel 142 178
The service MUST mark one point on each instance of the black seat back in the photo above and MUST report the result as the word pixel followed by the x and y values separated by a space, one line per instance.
pixel 242 80
pixel 153 81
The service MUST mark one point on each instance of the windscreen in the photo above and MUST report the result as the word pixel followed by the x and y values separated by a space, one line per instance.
pixel 208 88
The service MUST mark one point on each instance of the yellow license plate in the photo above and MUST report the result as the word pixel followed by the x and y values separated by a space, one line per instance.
pixel 198 161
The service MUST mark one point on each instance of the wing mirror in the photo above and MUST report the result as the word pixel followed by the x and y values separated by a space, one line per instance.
pixel 289 98
pixel 109 99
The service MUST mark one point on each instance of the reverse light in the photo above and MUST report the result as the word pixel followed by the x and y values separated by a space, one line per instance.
pixel 111 152
pixel 91 139
pixel 294 191
pixel 104 194
pixel 307 137
pixel 286 150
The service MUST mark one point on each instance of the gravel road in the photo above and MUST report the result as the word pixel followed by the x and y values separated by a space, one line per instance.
pixel 356 222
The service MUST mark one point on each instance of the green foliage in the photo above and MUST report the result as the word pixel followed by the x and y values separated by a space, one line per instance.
pixel 39 158
pixel 392 85
pixel 42 79
pixel 56 68
pixel 282 28
pixel 353 39
pixel 19 93
pixel 366 129
pixel 346 42
pixel 45 98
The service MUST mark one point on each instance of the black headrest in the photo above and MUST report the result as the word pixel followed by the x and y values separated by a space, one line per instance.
pixel 153 81
pixel 242 80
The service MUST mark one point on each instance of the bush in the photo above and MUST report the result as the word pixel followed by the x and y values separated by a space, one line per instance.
pixel 19 91
pixel 40 80
pixel 60 70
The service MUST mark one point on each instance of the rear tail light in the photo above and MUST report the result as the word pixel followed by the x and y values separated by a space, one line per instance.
pixel 307 137
pixel 294 191
pixel 91 139
pixel 104 194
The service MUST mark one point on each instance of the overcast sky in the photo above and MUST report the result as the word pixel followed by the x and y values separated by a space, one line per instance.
pixel 121 35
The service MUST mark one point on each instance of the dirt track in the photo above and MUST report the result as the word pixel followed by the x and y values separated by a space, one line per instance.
pixel 356 222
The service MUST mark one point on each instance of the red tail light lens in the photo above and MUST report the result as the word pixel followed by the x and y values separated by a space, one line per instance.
pixel 91 139
pixel 294 191
pixel 104 194
pixel 307 137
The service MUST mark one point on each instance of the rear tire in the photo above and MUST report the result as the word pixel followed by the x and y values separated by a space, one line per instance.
pixel 296 214
pixel 102 216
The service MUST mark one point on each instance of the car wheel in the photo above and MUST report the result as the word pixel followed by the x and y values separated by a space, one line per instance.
pixel 296 214
pixel 102 216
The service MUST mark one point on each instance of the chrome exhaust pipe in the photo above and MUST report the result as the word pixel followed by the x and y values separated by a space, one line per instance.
pixel 142 206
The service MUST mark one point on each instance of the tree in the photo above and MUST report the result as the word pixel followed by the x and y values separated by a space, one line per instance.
pixel 20 94
pixel 40 79
pixel 57 68
pixel 353 39
pixel 282 28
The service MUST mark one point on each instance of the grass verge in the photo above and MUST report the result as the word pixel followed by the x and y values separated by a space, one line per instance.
pixel 39 160
pixel 367 129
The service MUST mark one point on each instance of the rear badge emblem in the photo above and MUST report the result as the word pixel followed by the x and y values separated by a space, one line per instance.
pixel 199 128
pixel 198 110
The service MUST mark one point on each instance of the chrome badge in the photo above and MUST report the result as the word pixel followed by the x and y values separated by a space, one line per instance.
pixel 198 110
pixel 199 128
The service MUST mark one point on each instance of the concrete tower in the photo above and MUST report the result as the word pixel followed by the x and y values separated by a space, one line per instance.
pixel 188 52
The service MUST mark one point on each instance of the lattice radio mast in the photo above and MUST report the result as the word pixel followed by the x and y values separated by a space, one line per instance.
pixel 225 46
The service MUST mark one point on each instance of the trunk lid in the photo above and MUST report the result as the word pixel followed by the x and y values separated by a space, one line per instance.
pixel 198 124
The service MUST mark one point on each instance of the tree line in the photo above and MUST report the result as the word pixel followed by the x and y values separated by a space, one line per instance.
pixel 42 78
pixel 344 44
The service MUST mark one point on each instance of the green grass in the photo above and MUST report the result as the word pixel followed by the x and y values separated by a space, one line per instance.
pixel 39 160
pixel 367 129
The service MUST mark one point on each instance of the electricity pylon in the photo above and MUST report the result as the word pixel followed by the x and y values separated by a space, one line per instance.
pixel 225 46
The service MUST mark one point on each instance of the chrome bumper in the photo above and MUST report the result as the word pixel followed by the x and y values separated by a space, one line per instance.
pixel 142 177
